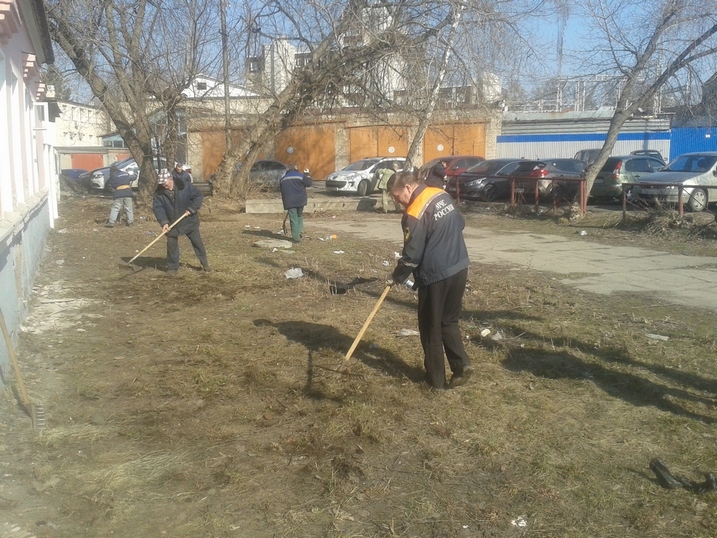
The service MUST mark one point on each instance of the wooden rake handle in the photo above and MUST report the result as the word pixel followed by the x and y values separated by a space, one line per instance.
pixel 13 359
pixel 367 323
pixel 157 238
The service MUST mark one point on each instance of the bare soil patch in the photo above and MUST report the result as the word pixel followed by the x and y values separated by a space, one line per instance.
pixel 213 404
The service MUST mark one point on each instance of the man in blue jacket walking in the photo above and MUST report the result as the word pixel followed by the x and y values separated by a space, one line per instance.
pixel 293 195
pixel 172 199
pixel 120 183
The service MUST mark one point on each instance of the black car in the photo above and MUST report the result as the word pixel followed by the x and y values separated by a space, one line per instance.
pixel 264 174
pixel 488 180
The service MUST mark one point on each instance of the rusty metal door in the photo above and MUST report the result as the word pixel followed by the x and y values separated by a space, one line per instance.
pixel 312 147
pixel 454 139
pixel 377 141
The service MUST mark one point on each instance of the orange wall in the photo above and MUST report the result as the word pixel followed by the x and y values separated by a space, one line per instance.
pixel 454 139
pixel 377 141
pixel 312 147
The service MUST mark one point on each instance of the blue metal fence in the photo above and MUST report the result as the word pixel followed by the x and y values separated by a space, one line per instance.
pixel 691 139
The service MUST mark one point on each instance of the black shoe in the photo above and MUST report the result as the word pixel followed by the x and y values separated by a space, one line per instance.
pixel 129 224
pixel 460 377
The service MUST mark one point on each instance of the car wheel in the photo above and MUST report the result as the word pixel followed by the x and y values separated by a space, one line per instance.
pixel 697 201
pixel 489 193
pixel 362 189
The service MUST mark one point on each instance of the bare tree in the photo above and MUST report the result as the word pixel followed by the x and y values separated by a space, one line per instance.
pixel 137 56
pixel 647 45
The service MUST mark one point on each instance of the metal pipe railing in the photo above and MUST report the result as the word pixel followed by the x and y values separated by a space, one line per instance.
pixel 582 190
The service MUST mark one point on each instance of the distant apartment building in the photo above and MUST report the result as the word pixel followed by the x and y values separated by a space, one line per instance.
pixel 79 130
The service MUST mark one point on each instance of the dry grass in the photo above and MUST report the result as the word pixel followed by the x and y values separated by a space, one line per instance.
pixel 220 404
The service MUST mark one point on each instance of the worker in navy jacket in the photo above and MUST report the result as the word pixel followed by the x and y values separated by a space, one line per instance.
pixel 435 252
pixel 172 199
pixel 120 184
pixel 293 196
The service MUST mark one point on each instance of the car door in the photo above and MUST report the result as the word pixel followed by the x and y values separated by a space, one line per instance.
pixel 501 179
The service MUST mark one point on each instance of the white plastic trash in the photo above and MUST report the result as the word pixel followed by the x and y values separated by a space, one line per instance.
pixel 657 337
pixel 407 332
pixel 294 272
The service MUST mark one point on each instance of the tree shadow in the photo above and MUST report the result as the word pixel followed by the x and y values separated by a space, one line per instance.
pixel 678 376
pixel 366 286
pixel 629 387
pixel 266 233
pixel 316 337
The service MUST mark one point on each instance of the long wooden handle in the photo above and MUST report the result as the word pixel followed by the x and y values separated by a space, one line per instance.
pixel 367 322
pixel 157 238
pixel 13 359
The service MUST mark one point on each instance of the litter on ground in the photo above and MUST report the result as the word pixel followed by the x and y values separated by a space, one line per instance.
pixel 294 272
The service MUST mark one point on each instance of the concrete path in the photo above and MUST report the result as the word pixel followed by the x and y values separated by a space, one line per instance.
pixel 589 266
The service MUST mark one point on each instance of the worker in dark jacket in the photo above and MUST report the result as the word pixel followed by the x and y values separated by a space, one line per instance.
pixel 180 173
pixel 120 184
pixel 293 196
pixel 436 176
pixel 435 252
pixel 172 199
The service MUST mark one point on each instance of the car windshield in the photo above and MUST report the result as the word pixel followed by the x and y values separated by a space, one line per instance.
pixel 486 167
pixel 692 163
pixel 125 162
pixel 610 164
pixel 363 164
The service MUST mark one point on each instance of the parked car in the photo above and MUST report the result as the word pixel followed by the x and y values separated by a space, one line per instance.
pixel 360 177
pixel 455 165
pixel 588 156
pixel 547 170
pixel 488 180
pixel 99 177
pixel 649 153
pixel 70 178
pixel 691 169
pixel 619 170
pixel 72 174
pixel 266 174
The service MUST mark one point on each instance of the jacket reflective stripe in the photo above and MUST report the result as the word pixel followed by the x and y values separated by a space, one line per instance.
pixel 419 204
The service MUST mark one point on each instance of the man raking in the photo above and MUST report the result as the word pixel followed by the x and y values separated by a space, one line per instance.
pixel 435 252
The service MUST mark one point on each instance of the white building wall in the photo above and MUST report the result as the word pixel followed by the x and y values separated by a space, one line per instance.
pixel 81 125
pixel 26 212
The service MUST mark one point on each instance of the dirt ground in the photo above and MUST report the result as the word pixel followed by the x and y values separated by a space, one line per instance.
pixel 219 404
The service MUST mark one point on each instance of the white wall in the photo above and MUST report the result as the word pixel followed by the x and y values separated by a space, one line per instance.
pixel 27 184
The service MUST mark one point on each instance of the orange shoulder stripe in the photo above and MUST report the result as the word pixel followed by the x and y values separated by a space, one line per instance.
pixel 419 203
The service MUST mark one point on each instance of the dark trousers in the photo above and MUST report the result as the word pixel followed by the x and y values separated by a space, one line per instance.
pixel 173 249
pixel 439 307
pixel 296 220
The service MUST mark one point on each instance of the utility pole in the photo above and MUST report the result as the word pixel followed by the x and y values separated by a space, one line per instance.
pixel 225 66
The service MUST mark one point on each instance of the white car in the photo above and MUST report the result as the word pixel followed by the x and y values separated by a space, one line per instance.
pixel 360 177
pixel 690 170
pixel 100 177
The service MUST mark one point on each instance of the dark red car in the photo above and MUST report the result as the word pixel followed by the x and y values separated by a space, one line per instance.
pixel 456 164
